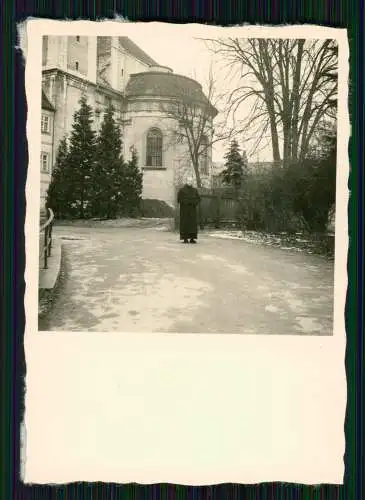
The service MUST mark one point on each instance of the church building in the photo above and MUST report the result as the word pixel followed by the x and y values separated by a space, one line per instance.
pixel 115 70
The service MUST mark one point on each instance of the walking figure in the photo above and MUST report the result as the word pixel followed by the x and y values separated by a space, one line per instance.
pixel 189 199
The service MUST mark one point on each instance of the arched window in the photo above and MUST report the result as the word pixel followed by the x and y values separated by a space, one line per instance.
pixel 154 148
pixel 204 155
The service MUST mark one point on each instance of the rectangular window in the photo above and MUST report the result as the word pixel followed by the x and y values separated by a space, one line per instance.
pixel 154 160
pixel 45 162
pixel 154 148
pixel 76 65
pixel 45 125
pixel 77 39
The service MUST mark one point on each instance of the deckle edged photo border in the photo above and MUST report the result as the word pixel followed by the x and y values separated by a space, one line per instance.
pixel 13 201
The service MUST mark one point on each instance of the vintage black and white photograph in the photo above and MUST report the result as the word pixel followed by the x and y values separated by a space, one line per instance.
pixel 188 185
pixel 186 244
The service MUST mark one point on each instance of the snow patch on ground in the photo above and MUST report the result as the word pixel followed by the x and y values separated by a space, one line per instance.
pixel 271 308
pixel 308 325
pixel 284 241
pixel 226 235
pixel 140 302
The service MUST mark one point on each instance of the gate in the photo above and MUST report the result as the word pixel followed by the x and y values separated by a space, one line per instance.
pixel 218 209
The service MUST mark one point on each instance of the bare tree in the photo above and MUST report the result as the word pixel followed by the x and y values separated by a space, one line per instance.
pixel 292 84
pixel 191 113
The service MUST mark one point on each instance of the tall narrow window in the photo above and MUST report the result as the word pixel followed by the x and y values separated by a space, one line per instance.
pixel 77 65
pixel 77 39
pixel 154 148
pixel 45 128
pixel 44 163
pixel 204 155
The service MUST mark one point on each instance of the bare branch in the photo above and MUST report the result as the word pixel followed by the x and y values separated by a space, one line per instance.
pixel 190 125
pixel 292 84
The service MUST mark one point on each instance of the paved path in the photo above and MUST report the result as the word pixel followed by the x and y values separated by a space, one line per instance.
pixel 145 280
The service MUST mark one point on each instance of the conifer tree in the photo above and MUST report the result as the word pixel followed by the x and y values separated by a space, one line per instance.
pixel 244 159
pixel 79 168
pixel 58 191
pixel 109 168
pixel 234 171
pixel 132 184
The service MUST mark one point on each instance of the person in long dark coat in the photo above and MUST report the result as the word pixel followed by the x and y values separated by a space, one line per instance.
pixel 189 199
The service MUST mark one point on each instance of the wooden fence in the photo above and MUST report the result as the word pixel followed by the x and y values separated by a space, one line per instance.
pixel 218 208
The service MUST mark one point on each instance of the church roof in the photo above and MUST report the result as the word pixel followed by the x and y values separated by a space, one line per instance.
pixel 161 84
pixel 135 51
pixel 46 103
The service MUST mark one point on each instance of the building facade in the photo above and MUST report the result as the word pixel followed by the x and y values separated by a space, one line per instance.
pixel 47 156
pixel 115 70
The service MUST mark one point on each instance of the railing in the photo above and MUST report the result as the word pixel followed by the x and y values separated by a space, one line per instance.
pixel 47 245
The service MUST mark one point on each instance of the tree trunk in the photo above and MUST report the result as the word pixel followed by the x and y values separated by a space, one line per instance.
pixel 295 102
pixel 309 105
pixel 274 136
pixel 285 112
pixel 197 174
pixel 270 96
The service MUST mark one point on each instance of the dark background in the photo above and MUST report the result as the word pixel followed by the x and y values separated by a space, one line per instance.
pixel 13 173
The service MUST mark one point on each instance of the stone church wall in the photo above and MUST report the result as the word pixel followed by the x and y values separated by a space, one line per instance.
pixel 64 89
pixel 46 147
pixel 65 92
pixel 158 182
